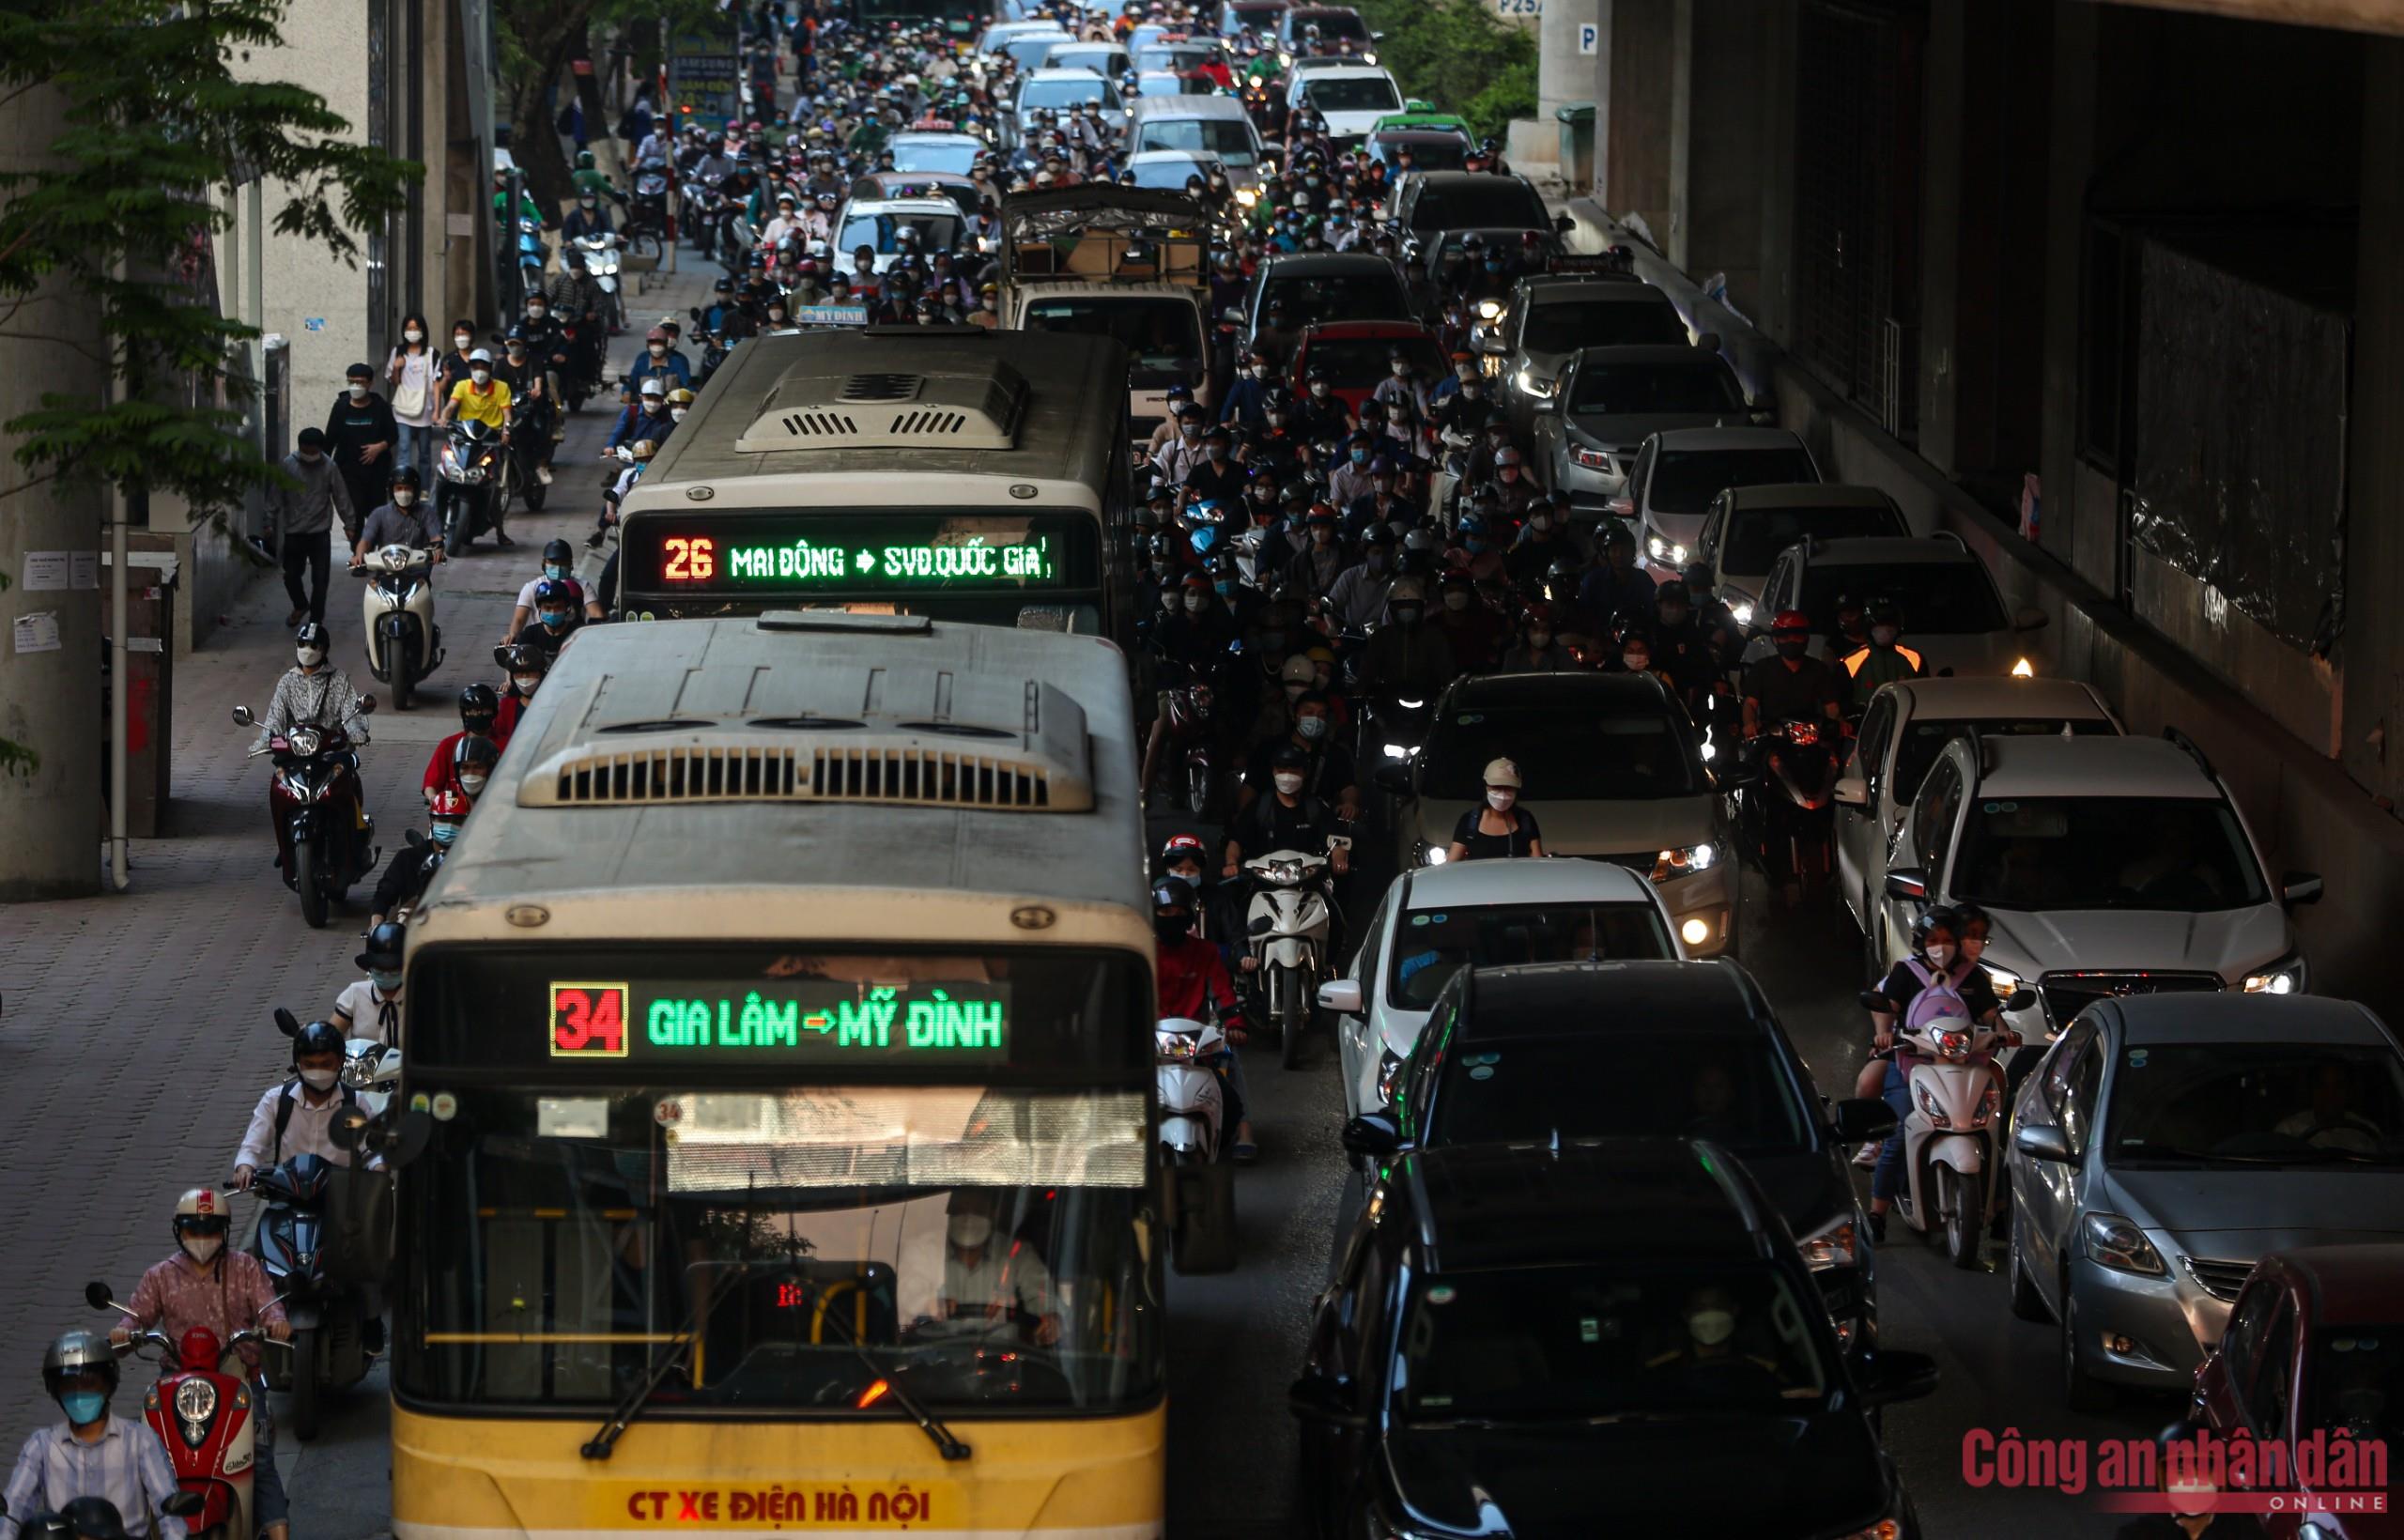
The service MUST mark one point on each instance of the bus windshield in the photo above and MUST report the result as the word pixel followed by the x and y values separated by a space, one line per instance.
pixel 982 1244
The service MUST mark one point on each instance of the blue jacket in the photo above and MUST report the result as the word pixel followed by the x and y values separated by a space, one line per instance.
pixel 634 425
pixel 1243 404
pixel 672 367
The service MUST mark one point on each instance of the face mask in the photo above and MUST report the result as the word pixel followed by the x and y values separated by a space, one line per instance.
pixel 1539 641
pixel 310 656
pixel 1224 587
pixel 1712 1327
pixel 443 833
pixel 969 1231
pixel 1471 391
pixel 1883 636
pixel 359 392
pixel 480 375
pixel 1217 451
pixel 1500 798
pixel 309 458
pixel 1940 956
pixel 461 340
pixel 1196 604
pixel 1401 370
pixel 591 203
pixel 203 1249
pixel 525 684
pixel 1288 781
pixel 83 1408
pixel 1406 615
pixel 323 1079
pixel 472 785
pixel 1793 650
pixel 412 334
pixel 386 983
pixel 554 571
pixel 537 311
pixel 1637 662
pixel 1172 927
pixel 1456 602
pixel 1360 456
pixel 1191 430
pixel 516 354
pixel 1313 727
pixel 402 496
pixel 1379 561
pixel 555 618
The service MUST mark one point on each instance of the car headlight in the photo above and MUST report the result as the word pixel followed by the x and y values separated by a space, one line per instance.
pixel 1246 196
pixel 2003 980
pixel 1685 861
pixel 1741 612
pixel 1397 751
pixel 1928 1108
pixel 1592 459
pixel 1389 1075
pixel 2119 1244
pixel 1526 380
pixel 1832 1245
pixel 2285 976
pixel 1665 550
pixel 1886 1529
pixel 1432 855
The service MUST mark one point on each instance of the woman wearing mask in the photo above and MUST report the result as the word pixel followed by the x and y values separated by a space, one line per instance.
pixel 453 367
pixel 414 376
pixel 1499 828
pixel 1538 651
pixel 1937 956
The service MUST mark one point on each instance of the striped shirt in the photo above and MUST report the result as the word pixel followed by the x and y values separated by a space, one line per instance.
pixel 127 1465
pixel 232 1295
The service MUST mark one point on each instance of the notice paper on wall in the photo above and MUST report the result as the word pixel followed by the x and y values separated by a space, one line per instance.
pixel 86 565
pixel 38 633
pixel 47 570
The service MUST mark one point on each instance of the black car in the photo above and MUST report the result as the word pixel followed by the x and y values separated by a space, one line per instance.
pixel 1316 287
pixel 1576 1051
pixel 1576 1337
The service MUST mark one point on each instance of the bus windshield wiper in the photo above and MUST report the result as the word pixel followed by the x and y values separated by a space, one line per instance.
pixel 950 1447
pixel 605 1442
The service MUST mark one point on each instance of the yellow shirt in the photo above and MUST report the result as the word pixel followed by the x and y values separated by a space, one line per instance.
pixel 490 407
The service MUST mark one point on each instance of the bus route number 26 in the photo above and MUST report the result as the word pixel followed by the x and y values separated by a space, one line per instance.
pixel 690 559
pixel 588 1020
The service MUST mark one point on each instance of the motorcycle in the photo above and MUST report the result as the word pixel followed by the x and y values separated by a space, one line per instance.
pixel 1286 926
pixel 1953 1136
pixel 1187 726
pixel 519 469
pixel 464 475
pixel 601 261
pixel 1786 800
pixel 322 826
pixel 1393 727
pixel 647 219
pixel 201 1412
pixel 532 256
pixel 404 645
pixel 1193 1103
pixel 330 1350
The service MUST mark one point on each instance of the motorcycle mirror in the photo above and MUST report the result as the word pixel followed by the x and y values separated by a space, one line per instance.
pixel 287 1022
pixel 183 1504
pixel 400 1140
pixel 500 655
pixel 2021 999
pixel 367 705
pixel 412 839
pixel 347 1127
pixel 99 1294
pixel 1869 999
pixel 242 715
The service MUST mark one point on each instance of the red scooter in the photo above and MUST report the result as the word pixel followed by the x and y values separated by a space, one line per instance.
pixel 323 832
pixel 203 1415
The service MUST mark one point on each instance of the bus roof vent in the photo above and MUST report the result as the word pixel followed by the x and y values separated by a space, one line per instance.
pixel 974 406
pixel 1002 748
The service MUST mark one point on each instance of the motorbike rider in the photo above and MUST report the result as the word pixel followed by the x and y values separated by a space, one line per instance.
pixel 313 690
pixel 1682 652
pixel 557 615
pixel 406 874
pixel 526 666
pixel 1408 657
pixel 1357 598
pixel 661 361
pixel 1218 479
pixel 589 217
pixel 1537 650
pixel 1617 586
pixel 405 518
pixel 645 418
pixel 1321 562
pixel 93 1456
pixel 479 711
pixel 295 1116
pixel 1191 980
pixel 1883 658
pixel 1323 413
pixel 1327 771
pixel 371 1007
pixel 559 559
pixel 1475 631
pixel 1936 959
pixel 208 1284
pixel 1793 684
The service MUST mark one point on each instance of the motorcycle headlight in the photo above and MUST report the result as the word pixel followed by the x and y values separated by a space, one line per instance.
pixel 1246 196
pixel 1490 310
pixel 2285 976
pixel 196 1399
pixel 1832 1245
pixel 1685 861
pixel 1741 612
pixel 304 740
pixel 1989 1104
pixel 1668 551
pixel 1397 751
pixel 1432 855
pixel 1928 1108
pixel 358 1071
pixel 1526 380
pixel 2119 1244
pixel 1174 1045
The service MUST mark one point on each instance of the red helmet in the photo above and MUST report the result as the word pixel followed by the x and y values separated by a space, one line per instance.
pixel 1791 623
pixel 451 802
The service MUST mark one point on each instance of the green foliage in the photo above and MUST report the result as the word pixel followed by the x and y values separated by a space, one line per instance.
pixel 1460 56
pixel 152 127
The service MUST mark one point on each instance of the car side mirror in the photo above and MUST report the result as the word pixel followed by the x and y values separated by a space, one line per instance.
pixel 1707 342
pixel 1373 1135
pixel 1851 791
pixel 1909 884
pixel 1862 1117
pixel 1544 403
pixel 1395 779
pixel 2043 1142
pixel 1341 996
pixel 1892 1374
pixel 1321 1398
pixel 2021 999
pixel 1564 224
pixel 287 1022
pixel 2300 887
pixel 2028 618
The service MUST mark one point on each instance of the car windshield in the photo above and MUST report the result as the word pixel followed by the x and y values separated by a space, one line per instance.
pixel 952 158
pixel 1436 153
pixel 1177 57
pixel 1068 93
pixel 1937 598
pixel 1534 1345
pixel 1168 176
pixel 1351 94
pixel 1567 751
pixel 565 1243
pixel 1756 535
pixel 1223 138
pixel 1680 1083
pixel 1360 362
pixel 2183 853
pixel 1633 389
pixel 1097 59
pixel 1685 481
pixel 936 232
pixel 1561 326
pixel 2256 1104
pixel 1334 26
pixel 1484 202
pixel 1033 46
pixel 1430 946
pixel 1161 334
pixel 1926 738
pixel 1374 293
pixel 2357 1383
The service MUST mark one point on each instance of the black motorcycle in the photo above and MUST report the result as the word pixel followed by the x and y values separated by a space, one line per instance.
pixel 1785 797
pixel 465 472
pixel 323 831
pixel 520 466
pixel 647 216
pixel 332 1349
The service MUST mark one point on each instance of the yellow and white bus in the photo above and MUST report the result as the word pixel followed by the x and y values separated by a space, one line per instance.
pixel 967 474
pixel 783 1022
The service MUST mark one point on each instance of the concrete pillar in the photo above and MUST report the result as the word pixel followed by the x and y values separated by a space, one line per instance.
pixel 1716 193
pixel 1597 76
pixel 50 697
pixel 1564 75
pixel 2371 653
pixel 2081 519
pixel 1644 98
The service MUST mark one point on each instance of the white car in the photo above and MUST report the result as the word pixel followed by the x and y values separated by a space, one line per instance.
pixel 1679 470
pixel 1907 725
pixel 1749 526
pixel 1478 914
pixel 2106 866
pixel 1351 97
pixel 878 223
pixel 1953 618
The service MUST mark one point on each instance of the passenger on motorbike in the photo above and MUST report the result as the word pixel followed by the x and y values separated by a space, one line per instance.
pixel 645 418
pixel 557 615
pixel 406 874
pixel 526 667
pixel 92 1456
pixel 479 708
pixel 371 1007
pixel 1537 650
pixel 1883 658
pixel 559 561
pixel 1191 981
pixel 1327 767
pixel 403 519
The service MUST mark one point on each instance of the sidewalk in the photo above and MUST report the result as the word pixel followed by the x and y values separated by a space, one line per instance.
pixel 138 1034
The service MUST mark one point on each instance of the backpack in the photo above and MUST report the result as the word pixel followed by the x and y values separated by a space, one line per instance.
pixel 283 1115
pixel 1940 996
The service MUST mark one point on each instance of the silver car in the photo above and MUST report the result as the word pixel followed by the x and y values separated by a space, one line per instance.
pixel 2166 1141
pixel 1605 402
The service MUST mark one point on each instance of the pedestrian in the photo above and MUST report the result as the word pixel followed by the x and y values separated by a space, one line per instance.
pixel 306 515
pixel 412 374
pixel 360 430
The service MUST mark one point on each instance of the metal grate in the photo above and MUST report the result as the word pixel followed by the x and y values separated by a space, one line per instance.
pixel 942 778
pixel 862 390
pixel 768 773
pixel 680 774
pixel 2065 994
pixel 944 423
pixel 2221 1280
pixel 817 425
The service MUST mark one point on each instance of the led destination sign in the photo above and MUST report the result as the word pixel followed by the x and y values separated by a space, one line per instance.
pixel 794 1021
pixel 767 552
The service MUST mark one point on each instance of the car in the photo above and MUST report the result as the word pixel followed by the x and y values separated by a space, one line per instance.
pixel 993 37
pixel 1613 771
pixel 1907 725
pixel 887 186
pixel 2313 1346
pixel 1108 60
pixel 1166 170
pixel 1024 47
pixel 1470 200
pixel 1336 26
pixel 1211 126
pixel 1420 116
pixel 878 223
pixel 951 154
pixel 1509 1347
pixel 1431 150
pixel 1694 1051
pixel 1350 96
pixel 1358 354
pixel 1163 82
pixel 2071 845
pixel 1181 55
pixel 1953 619
pixel 1528 247
pixel 1544 320
pixel 1436 920
pixel 1319 288
pixel 1059 90
pixel 1678 471
pixel 1746 526
pixel 2165 1144
pixel 1258 15
pixel 1604 404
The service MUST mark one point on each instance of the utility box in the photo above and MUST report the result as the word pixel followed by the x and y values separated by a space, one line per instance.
pixel 1577 145
pixel 149 682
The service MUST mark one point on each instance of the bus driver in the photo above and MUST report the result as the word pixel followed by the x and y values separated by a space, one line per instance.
pixel 985 1282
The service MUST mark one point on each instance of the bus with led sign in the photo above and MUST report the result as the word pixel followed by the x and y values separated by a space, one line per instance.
pixel 786 1168
pixel 960 473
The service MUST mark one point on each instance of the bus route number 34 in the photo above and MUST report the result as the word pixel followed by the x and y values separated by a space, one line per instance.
pixel 589 1020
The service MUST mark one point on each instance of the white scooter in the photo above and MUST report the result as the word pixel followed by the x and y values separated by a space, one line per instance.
pixel 1954 1133
pixel 1194 1106
pixel 404 645
pixel 1286 926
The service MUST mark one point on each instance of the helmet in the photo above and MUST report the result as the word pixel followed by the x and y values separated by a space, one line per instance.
pixel 519 657
pixel 317 1038
pixel 73 1352
pixel 1173 893
pixel 1298 670
pixel 1182 845
pixel 383 953
pixel 1886 612
pixel 558 550
pixel 406 477
pixel 1672 590
pixel 1935 917
pixel 1966 913
pixel 1379 533
pixel 643 449
pixel 473 757
pixel 1846 604
pixel 312 633
pixel 201 1211
pixel 448 803
pixel 1791 623
pixel 478 701
pixel 552 591
pixel 1290 756
pixel 680 397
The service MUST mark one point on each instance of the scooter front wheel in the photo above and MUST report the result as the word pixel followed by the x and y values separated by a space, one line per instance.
pixel 405 671
pixel 306 882
pixel 306 1412
pixel 1293 1018
pixel 1964 1201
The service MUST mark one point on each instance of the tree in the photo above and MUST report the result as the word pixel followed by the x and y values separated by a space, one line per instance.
pixel 539 39
pixel 1456 54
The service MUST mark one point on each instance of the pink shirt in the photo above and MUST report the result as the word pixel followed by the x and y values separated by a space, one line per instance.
pixel 233 1295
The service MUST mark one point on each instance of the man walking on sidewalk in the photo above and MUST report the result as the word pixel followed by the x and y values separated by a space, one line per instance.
pixel 306 516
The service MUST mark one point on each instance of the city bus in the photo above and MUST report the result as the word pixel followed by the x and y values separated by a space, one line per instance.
pixel 965 474
pixel 783 1021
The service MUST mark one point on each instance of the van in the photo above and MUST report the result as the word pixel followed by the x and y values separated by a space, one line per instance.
pixel 1213 127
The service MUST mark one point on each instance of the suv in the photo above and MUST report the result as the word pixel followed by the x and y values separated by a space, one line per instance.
pixel 1547 320
pixel 1748 526
pixel 1613 772
pixel 1907 724
pixel 1506 1336
pixel 1953 618
pixel 2107 866
pixel 1694 1051
pixel 1679 470
pixel 1317 288
pixel 1607 402
pixel 1350 97
pixel 1431 201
